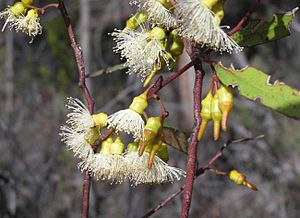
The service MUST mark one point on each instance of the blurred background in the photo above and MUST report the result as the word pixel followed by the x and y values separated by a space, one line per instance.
pixel 39 177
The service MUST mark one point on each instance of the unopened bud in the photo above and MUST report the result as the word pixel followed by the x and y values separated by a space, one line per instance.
pixel 206 114
pixel 225 103
pixel 240 179
pixel 216 116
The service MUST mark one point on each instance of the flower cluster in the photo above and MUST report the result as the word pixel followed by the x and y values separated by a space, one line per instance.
pixel 149 50
pixel 217 108
pixel 114 162
pixel 144 50
pixel 23 18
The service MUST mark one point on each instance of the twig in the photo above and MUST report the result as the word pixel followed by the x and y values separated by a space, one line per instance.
pixel 90 102
pixel 160 83
pixel 192 153
pixel 199 172
pixel 245 18
pixel 107 70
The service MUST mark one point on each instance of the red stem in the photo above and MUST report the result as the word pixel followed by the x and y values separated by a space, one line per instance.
pixel 245 18
pixel 192 153
pixel 160 83
pixel 86 94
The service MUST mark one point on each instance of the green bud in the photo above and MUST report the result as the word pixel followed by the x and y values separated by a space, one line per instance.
pixel 136 20
pixel 158 33
pixel 139 103
pixel 32 13
pixel 18 9
pixel 216 116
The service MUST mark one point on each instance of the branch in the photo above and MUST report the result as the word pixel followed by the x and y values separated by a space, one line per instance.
pixel 160 83
pixel 90 102
pixel 192 153
pixel 107 70
pixel 199 172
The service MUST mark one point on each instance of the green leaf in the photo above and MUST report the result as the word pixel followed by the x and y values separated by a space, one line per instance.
pixel 176 139
pixel 260 31
pixel 254 84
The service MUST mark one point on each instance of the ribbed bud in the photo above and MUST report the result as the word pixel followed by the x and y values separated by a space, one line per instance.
pixel 225 103
pixel 216 116
pixel 240 179
pixel 206 114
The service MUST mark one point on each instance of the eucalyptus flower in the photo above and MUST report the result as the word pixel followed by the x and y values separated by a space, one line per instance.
pixel 160 172
pixel 108 164
pixel 78 142
pixel 29 24
pixel 82 128
pixel 197 22
pixel 11 14
pixel 140 173
pixel 158 11
pixel 143 50
pixel 130 120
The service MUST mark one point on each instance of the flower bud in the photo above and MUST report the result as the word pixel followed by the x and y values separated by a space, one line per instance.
pixel 240 179
pixel 27 2
pixel 158 33
pixel 216 116
pixel 32 14
pixel 163 152
pixel 139 103
pixel 177 46
pixel 117 146
pixel 225 103
pixel 18 9
pixel 206 114
pixel 100 120
pixel 105 146
pixel 136 20
pixel 152 127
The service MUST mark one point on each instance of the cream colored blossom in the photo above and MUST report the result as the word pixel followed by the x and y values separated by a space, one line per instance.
pixel 79 117
pixel 127 121
pixel 8 16
pixel 109 167
pixel 156 12
pixel 160 172
pixel 76 141
pixel 29 24
pixel 197 22
pixel 142 51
